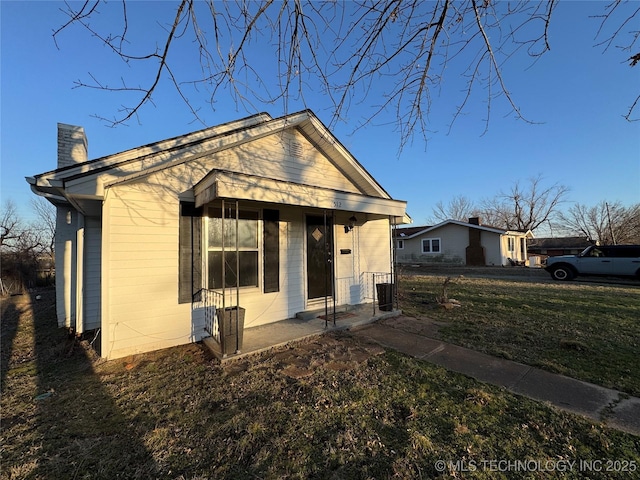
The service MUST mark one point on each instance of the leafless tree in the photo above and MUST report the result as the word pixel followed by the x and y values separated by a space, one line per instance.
pixel 458 208
pixel 45 223
pixel 524 207
pixel 344 51
pixel 606 223
pixel 26 249
pixel 11 228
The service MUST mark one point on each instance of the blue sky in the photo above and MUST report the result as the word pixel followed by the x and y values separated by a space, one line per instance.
pixel 578 94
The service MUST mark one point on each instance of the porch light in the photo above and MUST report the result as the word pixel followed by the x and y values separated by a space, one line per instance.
pixel 351 224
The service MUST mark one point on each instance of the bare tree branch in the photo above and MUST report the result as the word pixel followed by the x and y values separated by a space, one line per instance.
pixel 458 208
pixel 11 228
pixel 395 55
pixel 620 24
pixel 606 223
pixel 524 208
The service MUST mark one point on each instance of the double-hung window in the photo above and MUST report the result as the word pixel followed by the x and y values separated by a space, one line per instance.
pixel 511 244
pixel 430 245
pixel 222 248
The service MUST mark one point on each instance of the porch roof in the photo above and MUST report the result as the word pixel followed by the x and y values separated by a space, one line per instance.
pixel 232 185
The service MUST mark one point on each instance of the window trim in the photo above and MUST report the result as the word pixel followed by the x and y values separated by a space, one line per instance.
pixel 430 241
pixel 400 244
pixel 259 248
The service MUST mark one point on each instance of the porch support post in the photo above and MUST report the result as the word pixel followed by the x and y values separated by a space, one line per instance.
pixel 324 256
pixel 224 276
pixel 333 266
pixel 394 274
pixel 237 280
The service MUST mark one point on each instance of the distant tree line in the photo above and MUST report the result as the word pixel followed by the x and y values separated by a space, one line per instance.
pixel 536 206
pixel 26 248
pixel 608 223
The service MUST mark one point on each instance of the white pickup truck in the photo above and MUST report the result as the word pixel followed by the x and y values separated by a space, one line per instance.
pixel 612 260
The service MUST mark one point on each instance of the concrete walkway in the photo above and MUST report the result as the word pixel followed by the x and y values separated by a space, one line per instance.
pixel 413 337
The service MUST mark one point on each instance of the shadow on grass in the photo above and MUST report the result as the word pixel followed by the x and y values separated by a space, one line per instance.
pixel 10 316
pixel 82 435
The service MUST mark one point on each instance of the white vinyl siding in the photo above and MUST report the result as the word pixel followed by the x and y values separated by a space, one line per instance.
pixel 296 159
pixel 347 284
pixel 143 313
pixel 493 250
pixel 374 247
pixel 92 272
pixel 65 239
pixel 454 240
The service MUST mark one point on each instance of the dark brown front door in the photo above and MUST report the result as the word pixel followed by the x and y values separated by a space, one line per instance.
pixel 319 257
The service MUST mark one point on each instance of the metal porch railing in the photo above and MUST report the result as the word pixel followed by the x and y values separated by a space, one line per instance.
pixel 210 301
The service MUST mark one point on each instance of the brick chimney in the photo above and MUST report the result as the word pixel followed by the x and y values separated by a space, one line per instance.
pixel 72 145
pixel 475 254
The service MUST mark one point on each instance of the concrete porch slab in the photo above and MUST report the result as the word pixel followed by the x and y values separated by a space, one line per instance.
pixel 265 337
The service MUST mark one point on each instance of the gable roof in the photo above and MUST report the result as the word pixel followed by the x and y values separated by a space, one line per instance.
pixel 413 232
pixel 560 242
pixel 133 164
pixel 167 153
pixel 408 232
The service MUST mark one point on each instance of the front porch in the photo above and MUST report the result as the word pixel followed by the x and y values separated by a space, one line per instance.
pixel 264 337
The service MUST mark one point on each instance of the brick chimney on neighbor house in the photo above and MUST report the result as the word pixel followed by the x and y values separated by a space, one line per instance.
pixel 475 250
pixel 72 145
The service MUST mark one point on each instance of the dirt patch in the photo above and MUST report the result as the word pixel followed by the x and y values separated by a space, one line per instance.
pixel 297 372
pixel 336 352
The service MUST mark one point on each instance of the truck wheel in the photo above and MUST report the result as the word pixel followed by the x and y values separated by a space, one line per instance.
pixel 562 273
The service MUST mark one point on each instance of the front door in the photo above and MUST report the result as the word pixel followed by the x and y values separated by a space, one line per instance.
pixel 319 257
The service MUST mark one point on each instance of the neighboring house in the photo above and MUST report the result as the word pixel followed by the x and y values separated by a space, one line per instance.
pixel 542 248
pixel 456 242
pixel 277 209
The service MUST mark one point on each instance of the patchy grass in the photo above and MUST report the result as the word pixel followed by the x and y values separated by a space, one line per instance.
pixel 587 331
pixel 334 407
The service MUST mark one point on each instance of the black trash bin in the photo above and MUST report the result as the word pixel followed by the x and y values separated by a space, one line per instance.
pixel 385 296
pixel 231 322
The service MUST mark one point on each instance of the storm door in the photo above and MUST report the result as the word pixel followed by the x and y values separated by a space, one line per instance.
pixel 319 257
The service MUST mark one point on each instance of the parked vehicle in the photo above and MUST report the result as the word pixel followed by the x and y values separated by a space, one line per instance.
pixel 613 260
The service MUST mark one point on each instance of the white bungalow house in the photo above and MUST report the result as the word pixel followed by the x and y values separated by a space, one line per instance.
pixel 273 215
pixel 461 243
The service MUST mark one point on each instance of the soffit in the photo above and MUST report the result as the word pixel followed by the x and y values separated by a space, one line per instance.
pixel 219 184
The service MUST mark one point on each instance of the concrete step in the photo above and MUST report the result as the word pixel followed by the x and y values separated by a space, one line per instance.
pixel 311 314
